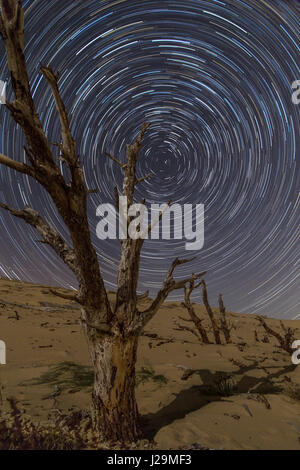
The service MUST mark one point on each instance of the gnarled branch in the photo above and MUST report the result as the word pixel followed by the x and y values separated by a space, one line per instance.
pixel 285 341
pixel 224 326
pixel 71 297
pixel 188 289
pixel 50 236
pixel 69 147
pixel 69 199
pixel 187 328
pixel 215 327
pixel 144 178
pixel 114 159
pixel 18 166
pixel 169 285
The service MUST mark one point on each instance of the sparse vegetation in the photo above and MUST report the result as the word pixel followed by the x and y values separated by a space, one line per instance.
pixel 293 391
pixel 18 432
pixel 67 374
pixel 146 374
pixel 224 386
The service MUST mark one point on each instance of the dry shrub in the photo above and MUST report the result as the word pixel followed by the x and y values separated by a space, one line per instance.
pixel 18 432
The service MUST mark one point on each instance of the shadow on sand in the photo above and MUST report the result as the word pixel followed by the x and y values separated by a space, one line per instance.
pixel 195 397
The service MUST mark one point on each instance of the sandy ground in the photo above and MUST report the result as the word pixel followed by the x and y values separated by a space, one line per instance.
pixel 240 396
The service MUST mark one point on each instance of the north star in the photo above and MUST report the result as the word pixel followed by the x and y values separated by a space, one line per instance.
pixel 115 460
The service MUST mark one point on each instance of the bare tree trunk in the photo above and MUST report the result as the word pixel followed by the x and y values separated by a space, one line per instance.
pixel 214 324
pixel 115 411
pixel 195 319
pixel 198 324
pixel 223 320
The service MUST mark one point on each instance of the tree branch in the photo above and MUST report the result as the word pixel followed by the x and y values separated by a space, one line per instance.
pixel 285 341
pixel 18 166
pixel 69 199
pixel 140 180
pixel 117 198
pixel 128 270
pixel 187 328
pixel 50 236
pixel 225 327
pixel 169 285
pixel 122 165
pixel 22 109
pixel 214 324
pixel 195 319
pixel 155 222
pixel 69 146
pixel 71 297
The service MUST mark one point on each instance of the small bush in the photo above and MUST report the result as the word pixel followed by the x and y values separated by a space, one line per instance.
pixel 293 392
pixel 68 374
pixel 18 432
pixel 224 386
pixel 147 373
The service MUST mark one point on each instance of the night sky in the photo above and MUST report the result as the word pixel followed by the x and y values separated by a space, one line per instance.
pixel 214 78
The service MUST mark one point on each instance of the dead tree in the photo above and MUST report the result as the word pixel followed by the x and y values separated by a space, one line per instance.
pixel 195 319
pixel 200 330
pixel 214 324
pixel 286 340
pixel 224 325
pixel 112 333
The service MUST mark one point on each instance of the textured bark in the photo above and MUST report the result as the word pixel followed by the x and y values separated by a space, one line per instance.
pixel 286 340
pixel 169 286
pixel 49 235
pixel 195 319
pixel 115 411
pixel 224 326
pixel 215 327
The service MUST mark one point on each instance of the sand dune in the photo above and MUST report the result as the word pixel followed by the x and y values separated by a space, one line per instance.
pixel 240 396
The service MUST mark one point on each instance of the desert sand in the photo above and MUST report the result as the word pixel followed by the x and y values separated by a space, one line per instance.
pixel 244 395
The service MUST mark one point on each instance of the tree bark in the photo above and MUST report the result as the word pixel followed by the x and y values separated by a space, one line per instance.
pixel 115 411
pixel 223 321
pixel 198 323
pixel 215 328
pixel 195 319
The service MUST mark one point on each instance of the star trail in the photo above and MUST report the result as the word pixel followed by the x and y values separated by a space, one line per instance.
pixel 215 79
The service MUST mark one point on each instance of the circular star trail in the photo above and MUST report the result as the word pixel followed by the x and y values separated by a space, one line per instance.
pixel 215 79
